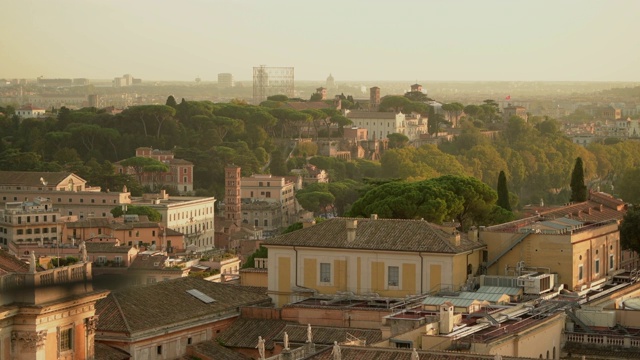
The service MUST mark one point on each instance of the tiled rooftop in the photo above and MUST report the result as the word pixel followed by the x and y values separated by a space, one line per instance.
pixel 31 178
pixel 243 333
pixel 167 303
pixel 105 247
pixel 378 234
pixel 106 352
pixel 11 264
pixel 327 335
pixel 216 351
pixel 368 353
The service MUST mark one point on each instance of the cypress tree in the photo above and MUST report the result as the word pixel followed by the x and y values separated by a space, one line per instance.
pixel 503 192
pixel 578 188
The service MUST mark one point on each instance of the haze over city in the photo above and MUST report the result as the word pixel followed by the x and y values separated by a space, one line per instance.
pixel 353 40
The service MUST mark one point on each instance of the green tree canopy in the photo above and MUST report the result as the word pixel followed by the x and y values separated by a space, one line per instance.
pixel 151 213
pixel 630 230
pixel 397 140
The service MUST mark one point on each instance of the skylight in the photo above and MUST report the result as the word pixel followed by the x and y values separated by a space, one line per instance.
pixel 200 296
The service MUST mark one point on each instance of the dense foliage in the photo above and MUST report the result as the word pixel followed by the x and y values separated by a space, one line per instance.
pixel 537 159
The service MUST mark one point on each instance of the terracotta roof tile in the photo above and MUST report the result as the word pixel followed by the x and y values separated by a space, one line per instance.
pixel 32 178
pixel 211 349
pixel 327 335
pixel 106 352
pixel 370 353
pixel 11 264
pixel 243 333
pixel 379 234
pixel 298 105
pixel 167 303
pixel 106 247
pixel 371 115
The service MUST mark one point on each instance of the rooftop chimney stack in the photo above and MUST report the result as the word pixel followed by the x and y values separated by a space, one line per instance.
pixel 352 225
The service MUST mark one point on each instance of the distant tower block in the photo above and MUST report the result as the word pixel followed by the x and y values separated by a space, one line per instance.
pixel 330 82
pixel 93 100
pixel 416 87
pixel 232 194
pixel 225 80
pixel 374 98
pixel 269 81
pixel 323 92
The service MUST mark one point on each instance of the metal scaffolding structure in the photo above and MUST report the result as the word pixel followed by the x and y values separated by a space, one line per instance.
pixel 268 81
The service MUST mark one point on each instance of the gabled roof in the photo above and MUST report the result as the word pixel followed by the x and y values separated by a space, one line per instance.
pixel 385 353
pixel 32 178
pixel 378 234
pixel 11 264
pixel 298 105
pixel 106 352
pixel 243 333
pixel 211 349
pixel 325 335
pixel 105 247
pixel 167 303
pixel 371 115
pixel 148 262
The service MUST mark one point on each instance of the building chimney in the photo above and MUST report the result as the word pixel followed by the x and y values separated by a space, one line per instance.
pixel 352 225
pixel 473 234
pixel 455 238
pixel 446 318
pixel 374 216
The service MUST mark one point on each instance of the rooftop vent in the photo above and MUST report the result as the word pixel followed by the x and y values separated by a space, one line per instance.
pixel 200 296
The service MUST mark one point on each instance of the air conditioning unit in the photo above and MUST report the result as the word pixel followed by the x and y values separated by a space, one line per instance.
pixel 537 283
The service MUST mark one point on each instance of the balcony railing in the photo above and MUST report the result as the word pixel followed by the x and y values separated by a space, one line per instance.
pixel 603 340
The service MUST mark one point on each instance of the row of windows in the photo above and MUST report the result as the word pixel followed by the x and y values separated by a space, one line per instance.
pixel 189 214
pixel 27 219
pixel 393 274
pixel 596 267
pixel 36 231
pixel 93 201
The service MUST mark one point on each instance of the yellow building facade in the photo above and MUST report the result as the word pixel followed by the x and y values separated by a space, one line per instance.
pixel 376 257
pixel 581 253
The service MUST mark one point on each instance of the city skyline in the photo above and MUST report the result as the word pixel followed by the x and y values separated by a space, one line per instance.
pixel 462 41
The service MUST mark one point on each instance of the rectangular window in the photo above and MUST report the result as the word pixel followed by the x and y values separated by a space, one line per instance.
pixel 118 260
pixel 102 259
pixel 159 349
pixel 610 261
pixel 393 278
pixel 188 341
pixel 325 272
pixel 597 267
pixel 66 339
pixel 580 274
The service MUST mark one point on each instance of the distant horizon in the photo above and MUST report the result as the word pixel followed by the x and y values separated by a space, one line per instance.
pixel 466 40
pixel 147 81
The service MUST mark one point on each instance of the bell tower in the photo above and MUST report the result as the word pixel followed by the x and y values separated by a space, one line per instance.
pixel 232 194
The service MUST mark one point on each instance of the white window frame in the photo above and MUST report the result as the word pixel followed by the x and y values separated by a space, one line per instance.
pixel 325 280
pixel 580 273
pixel 391 284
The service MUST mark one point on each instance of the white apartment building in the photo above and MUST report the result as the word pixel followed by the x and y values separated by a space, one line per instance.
pixel 191 216
pixel 67 192
pixel 29 222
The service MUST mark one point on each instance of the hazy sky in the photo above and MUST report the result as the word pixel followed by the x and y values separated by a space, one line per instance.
pixel 584 40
